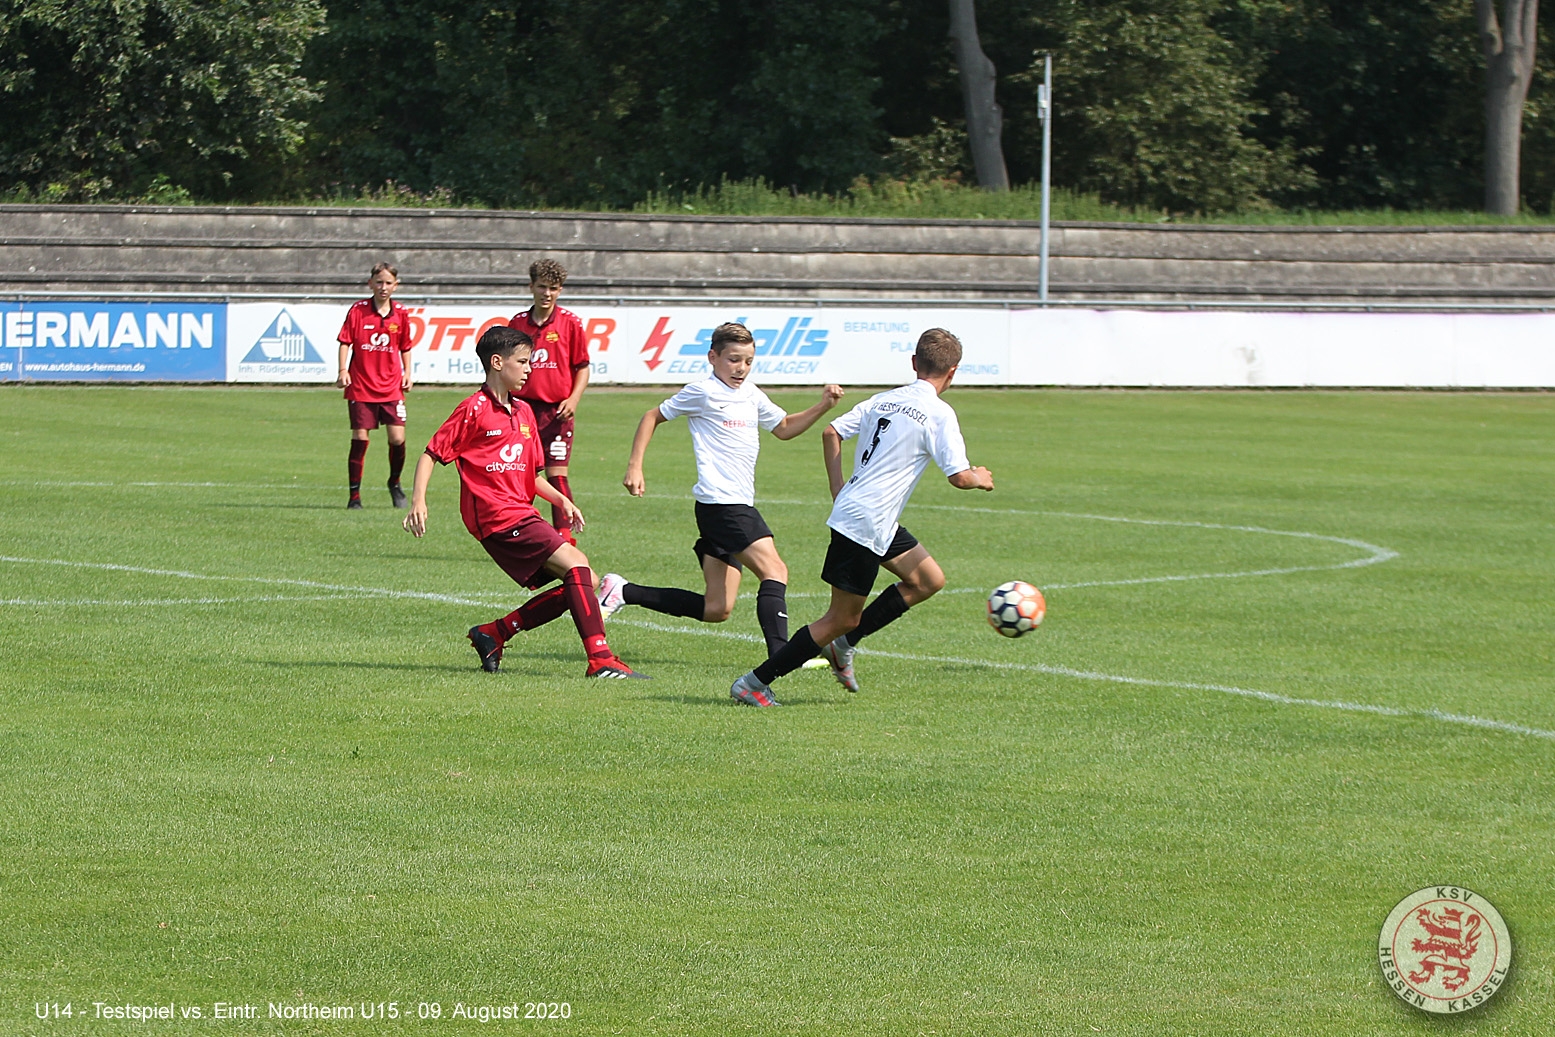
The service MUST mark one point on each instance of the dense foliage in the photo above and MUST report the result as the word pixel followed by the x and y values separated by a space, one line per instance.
pixel 1177 105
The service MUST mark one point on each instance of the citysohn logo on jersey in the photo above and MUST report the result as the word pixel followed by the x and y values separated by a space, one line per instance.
pixel 795 348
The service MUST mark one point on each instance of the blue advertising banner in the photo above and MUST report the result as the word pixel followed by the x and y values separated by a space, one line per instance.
pixel 91 341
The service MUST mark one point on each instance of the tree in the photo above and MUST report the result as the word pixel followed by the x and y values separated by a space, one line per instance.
pixel 1508 42
pixel 106 98
pixel 1156 109
pixel 984 118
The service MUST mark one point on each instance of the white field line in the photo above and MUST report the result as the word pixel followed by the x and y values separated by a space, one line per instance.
pixel 177 485
pixel 376 592
pixel 344 591
pixel 149 602
pixel 1144 682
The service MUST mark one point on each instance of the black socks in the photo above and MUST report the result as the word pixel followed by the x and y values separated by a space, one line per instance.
pixel 672 601
pixel 772 614
pixel 790 657
pixel 884 610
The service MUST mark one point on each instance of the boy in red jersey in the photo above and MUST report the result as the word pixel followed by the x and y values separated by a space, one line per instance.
pixel 493 439
pixel 372 341
pixel 561 372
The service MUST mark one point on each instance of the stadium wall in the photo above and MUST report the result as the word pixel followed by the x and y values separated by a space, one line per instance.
pixel 804 343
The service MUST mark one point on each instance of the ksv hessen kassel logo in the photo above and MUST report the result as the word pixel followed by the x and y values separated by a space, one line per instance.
pixel 1445 949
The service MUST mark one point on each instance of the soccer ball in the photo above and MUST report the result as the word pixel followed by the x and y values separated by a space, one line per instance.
pixel 1015 608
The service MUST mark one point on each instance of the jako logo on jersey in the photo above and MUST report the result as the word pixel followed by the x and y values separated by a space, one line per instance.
pixel 283 342
pixel 495 431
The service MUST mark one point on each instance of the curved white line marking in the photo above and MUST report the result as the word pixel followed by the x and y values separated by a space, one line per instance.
pixel 1374 553
pixel 1377 554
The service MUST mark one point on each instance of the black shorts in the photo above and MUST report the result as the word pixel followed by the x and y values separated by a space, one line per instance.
pixel 852 567
pixel 725 529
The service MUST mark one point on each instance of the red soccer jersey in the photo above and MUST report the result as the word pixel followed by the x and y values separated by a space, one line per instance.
pixel 498 455
pixel 376 344
pixel 560 349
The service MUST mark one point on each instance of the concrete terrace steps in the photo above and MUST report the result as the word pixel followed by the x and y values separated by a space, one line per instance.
pixel 327 250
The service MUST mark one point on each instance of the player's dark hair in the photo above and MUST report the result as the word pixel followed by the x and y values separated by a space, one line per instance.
pixel 547 271
pixel 379 268
pixel 938 351
pixel 731 334
pixel 501 341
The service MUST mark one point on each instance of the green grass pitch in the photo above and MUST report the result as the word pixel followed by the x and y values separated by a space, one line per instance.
pixel 247 756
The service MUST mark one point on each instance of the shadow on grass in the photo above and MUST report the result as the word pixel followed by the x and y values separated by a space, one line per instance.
pixel 347 664
pixel 723 700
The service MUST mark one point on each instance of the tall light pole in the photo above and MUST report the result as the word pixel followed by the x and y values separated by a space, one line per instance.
pixel 1045 110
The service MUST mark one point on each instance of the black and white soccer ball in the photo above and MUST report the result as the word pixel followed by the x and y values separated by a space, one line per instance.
pixel 1016 608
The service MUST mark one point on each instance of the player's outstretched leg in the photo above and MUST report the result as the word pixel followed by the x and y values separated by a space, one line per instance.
pixel 578 586
pixel 921 579
pixel 616 592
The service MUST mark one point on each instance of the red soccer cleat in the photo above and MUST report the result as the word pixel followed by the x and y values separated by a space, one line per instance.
pixel 614 669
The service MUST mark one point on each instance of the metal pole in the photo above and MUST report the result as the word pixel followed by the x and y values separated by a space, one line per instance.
pixel 1045 104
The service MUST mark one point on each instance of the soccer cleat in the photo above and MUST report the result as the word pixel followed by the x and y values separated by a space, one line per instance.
pixel 612 594
pixel 354 504
pixel 397 495
pixel 840 656
pixel 614 669
pixel 752 692
pixel 488 648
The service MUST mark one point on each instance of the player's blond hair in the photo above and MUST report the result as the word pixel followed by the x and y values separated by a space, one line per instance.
pixel 938 351
pixel 730 334
pixel 379 268
pixel 547 271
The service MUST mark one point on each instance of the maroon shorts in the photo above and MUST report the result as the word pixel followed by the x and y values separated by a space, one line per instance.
pixel 555 433
pixel 370 415
pixel 522 551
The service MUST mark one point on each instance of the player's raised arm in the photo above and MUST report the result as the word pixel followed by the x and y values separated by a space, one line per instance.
pixel 796 424
pixel 416 520
pixel 633 480
pixel 974 478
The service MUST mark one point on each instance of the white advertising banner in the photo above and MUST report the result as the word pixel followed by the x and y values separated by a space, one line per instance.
pixel 871 345
pixel 1260 348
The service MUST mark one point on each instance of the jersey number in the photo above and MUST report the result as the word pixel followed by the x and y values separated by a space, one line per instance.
pixel 880 426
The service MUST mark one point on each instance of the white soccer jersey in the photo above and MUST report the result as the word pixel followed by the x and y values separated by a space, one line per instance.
pixel 726 426
pixel 898 433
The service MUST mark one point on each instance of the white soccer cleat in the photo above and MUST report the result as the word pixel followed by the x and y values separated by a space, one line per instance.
pixel 840 657
pixel 612 594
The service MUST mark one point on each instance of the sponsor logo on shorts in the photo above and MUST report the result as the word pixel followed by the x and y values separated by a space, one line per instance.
pixel 1445 949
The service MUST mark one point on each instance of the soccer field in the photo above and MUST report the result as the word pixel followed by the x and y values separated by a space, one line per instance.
pixel 1296 665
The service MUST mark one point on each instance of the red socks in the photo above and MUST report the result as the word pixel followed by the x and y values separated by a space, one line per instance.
pixel 558 517
pixel 354 465
pixel 536 612
pixel 578 586
pixel 575 595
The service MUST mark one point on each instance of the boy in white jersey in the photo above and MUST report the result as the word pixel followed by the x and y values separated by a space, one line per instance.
pixel 898 433
pixel 726 413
